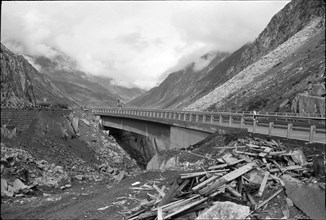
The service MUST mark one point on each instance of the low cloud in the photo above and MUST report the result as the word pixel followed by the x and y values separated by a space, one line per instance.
pixel 132 42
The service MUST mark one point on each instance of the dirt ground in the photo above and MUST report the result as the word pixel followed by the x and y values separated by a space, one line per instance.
pixel 108 178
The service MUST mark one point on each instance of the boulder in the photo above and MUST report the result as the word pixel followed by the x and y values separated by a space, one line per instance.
pixel 308 198
pixel 225 210
pixel 79 177
pixel 18 185
pixel 85 121
pixel 298 157
pixel 75 122
pixel 4 186
pixel 154 163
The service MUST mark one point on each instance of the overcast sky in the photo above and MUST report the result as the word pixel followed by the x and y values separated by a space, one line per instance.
pixel 130 41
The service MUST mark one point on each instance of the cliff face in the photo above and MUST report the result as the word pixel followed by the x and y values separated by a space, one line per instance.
pixel 22 84
pixel 16 85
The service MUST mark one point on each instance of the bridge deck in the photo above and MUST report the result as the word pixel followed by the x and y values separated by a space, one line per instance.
pixel 310 129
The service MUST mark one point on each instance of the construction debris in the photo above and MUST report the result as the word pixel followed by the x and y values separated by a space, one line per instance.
pixel 239 185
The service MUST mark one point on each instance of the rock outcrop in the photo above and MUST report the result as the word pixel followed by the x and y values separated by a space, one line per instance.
pixel 22 84
pixel 16 84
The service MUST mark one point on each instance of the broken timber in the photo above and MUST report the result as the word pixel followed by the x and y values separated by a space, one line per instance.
pixel 227 178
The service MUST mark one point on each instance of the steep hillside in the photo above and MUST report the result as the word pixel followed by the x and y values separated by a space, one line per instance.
pixel 278 75
pixel 181 85
pixel 250 78
pixel 85 89
pixel 22 84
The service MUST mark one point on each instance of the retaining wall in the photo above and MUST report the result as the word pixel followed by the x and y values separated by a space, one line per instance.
pixel 22 118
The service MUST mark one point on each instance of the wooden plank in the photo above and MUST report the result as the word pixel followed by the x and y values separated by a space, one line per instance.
pixel 228 177
pixel 233 191
pixel 184 184
pixel 171 193
pixel 278 179
pixel 270 198
pixel 201 185
pixel 228 147
pixel 218 166
pixel 277 153
pixel 159 190
pixel 263 184
pixel 294 167
pixel 251 199
pixel 238 172
pixel 246 153
pixel 189 175
pixel 159 213
pixel 178 203
pixel 186 207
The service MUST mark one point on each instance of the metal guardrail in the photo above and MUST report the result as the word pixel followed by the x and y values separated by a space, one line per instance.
pixel 287 121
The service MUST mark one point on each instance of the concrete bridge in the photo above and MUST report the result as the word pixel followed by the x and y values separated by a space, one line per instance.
pixel 178 129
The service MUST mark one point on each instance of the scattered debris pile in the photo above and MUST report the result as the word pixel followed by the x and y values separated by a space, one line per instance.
pixel 57 151
pixel 253 179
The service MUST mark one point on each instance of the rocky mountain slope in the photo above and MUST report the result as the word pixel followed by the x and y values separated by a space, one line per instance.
pixel 85 89
pixel 179 86
pixel 22 84
pixel 266 74
pixel 275 66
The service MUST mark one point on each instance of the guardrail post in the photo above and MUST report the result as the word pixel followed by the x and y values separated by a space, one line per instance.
pixel 212 119
pixel 204 118
pixel 270 127
pixel 184 116
pixel 230 120
pixel 179 115
pixel 197 117
pixel 312 133
pixel 190 117
pixel 221 119
pixel 241 122
pixel 288 133
pixel 254 126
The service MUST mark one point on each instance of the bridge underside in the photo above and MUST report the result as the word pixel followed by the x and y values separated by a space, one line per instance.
pixel 166 136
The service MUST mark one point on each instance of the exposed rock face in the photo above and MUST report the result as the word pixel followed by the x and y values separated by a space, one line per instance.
pixel 22 84
pixel 16 84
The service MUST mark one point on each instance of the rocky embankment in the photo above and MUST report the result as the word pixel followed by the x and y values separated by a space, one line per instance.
pixel 58 151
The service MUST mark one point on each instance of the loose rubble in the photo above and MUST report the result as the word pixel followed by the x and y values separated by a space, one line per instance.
pixel 23 171
pixel 245 182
